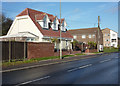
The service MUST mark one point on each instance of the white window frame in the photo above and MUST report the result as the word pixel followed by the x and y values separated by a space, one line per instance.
pixel 74 36
pixel 45 23
pixel 90 36
pixel 83 36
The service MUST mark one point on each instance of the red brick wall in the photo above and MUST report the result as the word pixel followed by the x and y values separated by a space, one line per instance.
pixel 90 50
pixel 66 53
pixel 37 50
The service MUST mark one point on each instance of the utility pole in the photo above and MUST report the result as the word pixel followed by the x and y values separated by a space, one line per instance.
pixel 98 33
pixel 60 34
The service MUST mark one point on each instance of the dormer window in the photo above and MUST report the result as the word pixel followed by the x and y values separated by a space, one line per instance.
pixel 45 22
pixel 55 24
pixel 63 26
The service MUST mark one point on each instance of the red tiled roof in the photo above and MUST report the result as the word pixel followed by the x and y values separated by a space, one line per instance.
pixel 49 32
pixel 39 16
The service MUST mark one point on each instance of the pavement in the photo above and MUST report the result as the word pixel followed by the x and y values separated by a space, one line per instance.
pixel 46 62
pixel 102 69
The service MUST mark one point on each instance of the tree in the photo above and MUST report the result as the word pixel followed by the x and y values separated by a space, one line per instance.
pixel 6 23
pixel 75 42
pixel 55 41
pixel 92 45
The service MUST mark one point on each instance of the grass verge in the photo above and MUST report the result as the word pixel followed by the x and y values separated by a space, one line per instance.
pixel 109 50
pixel 7 64
pixel 79 54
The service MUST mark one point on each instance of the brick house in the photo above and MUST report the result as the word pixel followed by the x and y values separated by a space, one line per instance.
pixel 110 38
pixel 86 35
pixel 36 26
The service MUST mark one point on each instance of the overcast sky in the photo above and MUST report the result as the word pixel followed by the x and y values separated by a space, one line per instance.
pixel 77 14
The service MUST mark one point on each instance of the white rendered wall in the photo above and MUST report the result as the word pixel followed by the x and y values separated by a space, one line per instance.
pixel 24 24
pixel 113 37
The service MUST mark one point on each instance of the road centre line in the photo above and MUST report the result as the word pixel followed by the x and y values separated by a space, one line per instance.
pixel 33 81
pixel 9 70
pixel 79 67
pixel 85 66
pixel 105 60
pixel 116 57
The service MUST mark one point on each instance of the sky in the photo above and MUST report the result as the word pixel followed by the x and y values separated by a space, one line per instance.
pixel 77 14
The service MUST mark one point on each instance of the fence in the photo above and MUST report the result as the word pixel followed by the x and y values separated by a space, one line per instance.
pixel 12 50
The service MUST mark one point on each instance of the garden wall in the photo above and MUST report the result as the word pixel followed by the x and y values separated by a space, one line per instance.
pixel 90 50
pixel 37 50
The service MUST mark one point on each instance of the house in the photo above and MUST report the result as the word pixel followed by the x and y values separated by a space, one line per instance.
pixel 36 26
pixel 86 35
pixel 110 38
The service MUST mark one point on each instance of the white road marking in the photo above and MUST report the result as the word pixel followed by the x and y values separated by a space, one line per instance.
pixel 72 69
pixel 79 67
pixel 116 57
pixel 9 70
pixel 105 60
pixel 33 81
pixel 85 66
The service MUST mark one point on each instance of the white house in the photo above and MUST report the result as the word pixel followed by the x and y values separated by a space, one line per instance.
pixel 110 38
pixel 35 26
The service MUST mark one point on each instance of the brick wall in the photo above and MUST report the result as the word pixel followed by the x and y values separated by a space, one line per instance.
pixel 42 49
pixel 90 50
pixel 106 31
pixel 66 53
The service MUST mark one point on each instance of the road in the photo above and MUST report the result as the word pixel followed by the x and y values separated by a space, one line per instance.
pixel 98 70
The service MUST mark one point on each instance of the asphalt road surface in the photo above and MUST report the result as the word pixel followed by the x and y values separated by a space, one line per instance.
pixel 102 69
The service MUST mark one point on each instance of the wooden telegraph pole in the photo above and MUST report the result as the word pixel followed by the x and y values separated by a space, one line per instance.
pixel 98 33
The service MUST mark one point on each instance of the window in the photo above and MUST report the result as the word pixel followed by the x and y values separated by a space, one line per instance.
pixel 93 35
pixel 107 40
pixel 90 36
pixel 45 22
pixel 113 34
pixel 74 36
pixel 55 25
pixel 108 34
pixel 63 28
pixel 83 36
pixel 66 43
pixel 30 39
pixel 113 40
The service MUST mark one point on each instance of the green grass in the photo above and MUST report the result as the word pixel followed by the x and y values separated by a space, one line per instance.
pixel 109 50
pixel 6 64
pixel 79 54
pixel 68 55
pixel 97 52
